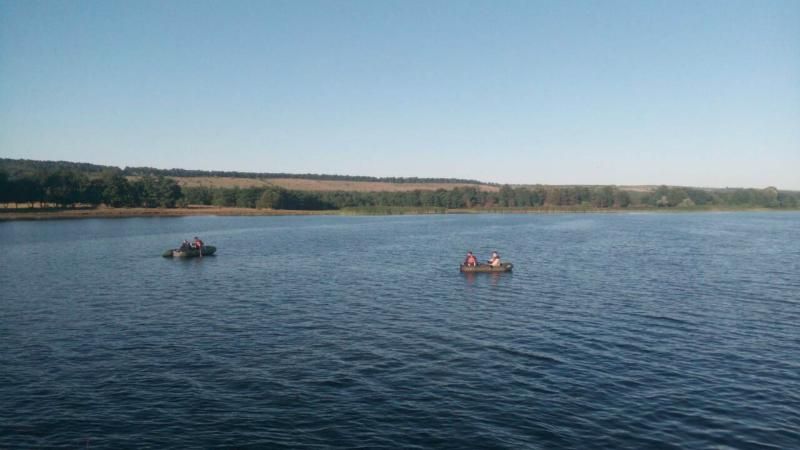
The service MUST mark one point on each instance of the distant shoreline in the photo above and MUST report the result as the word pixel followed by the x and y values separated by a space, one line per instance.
pixel 109 213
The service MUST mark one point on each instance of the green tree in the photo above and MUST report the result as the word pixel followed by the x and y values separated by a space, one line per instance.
pixel 5 188
pixel 168 192
pixel 506 196
pixel 789 200
pixel 622 199
pixel 201 195
pixel 769 197
pixel 147 188
pixel 248 198
pixel 676 196
pixel 742 197
pixel 92 192
pixel 28 189
pixel 64 187
pixel 603 197
pixel 700 196
pixel 269 199
pixel 117 192
pixel 225 197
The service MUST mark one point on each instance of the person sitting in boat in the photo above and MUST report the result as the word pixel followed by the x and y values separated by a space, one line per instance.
pixel 495 260
pixel 185 245
pixel 471 260
pixel 197 244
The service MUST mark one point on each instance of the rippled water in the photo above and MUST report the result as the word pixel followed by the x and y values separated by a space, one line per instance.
pixel 614 331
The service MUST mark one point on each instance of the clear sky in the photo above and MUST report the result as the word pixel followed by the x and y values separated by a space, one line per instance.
pixel 557 92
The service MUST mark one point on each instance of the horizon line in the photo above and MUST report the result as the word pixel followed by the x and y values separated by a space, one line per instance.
pixel 388 179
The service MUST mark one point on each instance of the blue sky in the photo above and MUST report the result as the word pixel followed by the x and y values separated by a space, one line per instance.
pixel 556 92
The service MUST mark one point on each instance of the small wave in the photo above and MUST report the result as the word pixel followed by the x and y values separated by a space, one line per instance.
pixel 526 354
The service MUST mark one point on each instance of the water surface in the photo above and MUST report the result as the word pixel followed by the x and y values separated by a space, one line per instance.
pixel 613 331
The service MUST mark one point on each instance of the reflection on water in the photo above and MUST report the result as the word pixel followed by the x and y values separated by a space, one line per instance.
pixel 494 278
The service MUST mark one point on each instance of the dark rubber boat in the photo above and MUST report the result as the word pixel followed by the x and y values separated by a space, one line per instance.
pixel 504 267
pixel 208 250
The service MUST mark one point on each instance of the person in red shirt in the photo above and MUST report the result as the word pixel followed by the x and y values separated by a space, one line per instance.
pixel 198 244
pixel 471 260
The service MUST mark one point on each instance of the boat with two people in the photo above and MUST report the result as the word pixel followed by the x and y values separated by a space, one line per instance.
pixel 471 265
pixel 194 249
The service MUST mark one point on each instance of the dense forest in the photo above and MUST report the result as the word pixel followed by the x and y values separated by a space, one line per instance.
pixel 68 188
pixel 23 167
pixel 506 197
pixel 60 184
pixel 140 171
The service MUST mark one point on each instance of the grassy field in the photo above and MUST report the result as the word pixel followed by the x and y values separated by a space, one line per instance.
pixel 300 184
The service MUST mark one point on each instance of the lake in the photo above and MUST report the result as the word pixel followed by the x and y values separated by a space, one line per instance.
pixel 613 331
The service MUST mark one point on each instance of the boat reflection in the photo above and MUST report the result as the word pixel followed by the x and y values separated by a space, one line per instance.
pixel 493 277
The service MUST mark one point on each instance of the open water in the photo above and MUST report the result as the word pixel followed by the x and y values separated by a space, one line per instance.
pixel 613 331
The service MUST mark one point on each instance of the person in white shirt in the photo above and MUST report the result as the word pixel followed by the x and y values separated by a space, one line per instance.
pixel 495 261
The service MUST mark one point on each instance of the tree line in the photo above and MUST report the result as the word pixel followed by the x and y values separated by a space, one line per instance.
pixel 141 171
pixel 29 167
pixel 68 188
pixel 505 197
pixel 65 187
pixel 17 167
pixel 665 197
pixel 262 198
